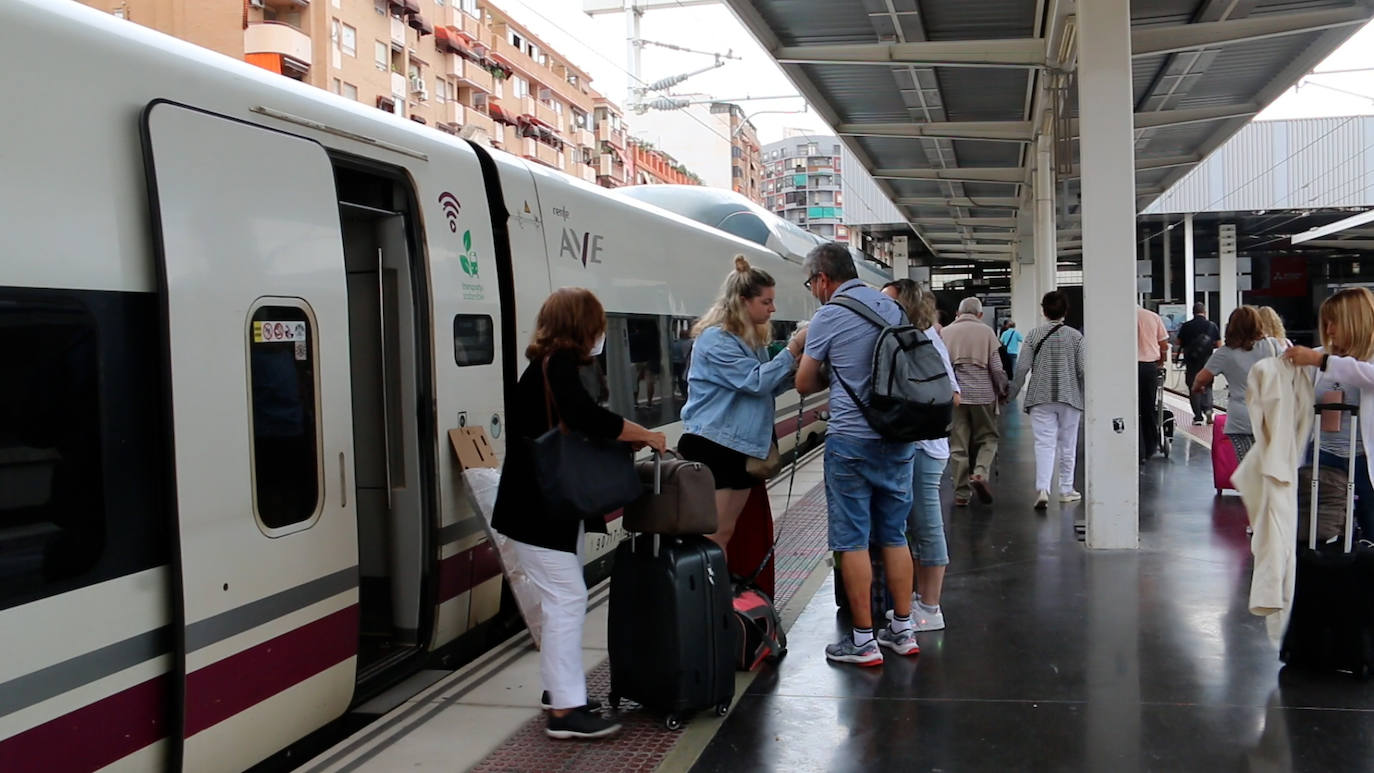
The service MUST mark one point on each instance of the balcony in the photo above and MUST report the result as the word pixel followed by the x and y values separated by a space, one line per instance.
pixel 270 37
pixel 523 105
pixel 547 154
pixel 398 34
pixel 547 114
pixel 398 86
pixel 605 133
pixel 584 138
pixel 469 74
pixel 511 139
pixel 586 172
pixel 610 166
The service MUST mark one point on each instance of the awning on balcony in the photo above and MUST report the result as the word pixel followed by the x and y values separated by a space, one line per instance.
pixel 411 6
pixel 498 114
pixel 418 23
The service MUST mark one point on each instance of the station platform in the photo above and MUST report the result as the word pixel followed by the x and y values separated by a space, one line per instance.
pixel 1055 658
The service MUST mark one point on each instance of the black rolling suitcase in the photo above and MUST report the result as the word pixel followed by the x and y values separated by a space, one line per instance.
pixel 1332 623
pixel 672 642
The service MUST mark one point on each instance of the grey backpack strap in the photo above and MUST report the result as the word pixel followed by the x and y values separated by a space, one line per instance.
pixel 860 308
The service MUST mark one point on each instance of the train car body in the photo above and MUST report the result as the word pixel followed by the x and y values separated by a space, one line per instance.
pixel 239 317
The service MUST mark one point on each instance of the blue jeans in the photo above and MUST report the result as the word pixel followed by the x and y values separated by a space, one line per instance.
pixel 1364 491
pixel 926 521
pixel 867 487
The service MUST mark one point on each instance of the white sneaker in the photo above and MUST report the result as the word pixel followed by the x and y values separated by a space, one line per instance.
pixel 1042 500
pixel 927 622
pixel 1071 496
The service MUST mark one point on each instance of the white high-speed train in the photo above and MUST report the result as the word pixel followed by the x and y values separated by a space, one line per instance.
pixel 238 316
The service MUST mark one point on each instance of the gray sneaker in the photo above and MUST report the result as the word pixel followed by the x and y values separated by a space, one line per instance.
pixel 845 651
pixel 903 643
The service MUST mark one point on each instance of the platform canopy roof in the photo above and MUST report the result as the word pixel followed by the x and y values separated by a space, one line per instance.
pixel 942 99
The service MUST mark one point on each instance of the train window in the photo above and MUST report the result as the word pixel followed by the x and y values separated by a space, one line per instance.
pixel 285 401
pixel 474 339
pixel 81 441
pixel 643 373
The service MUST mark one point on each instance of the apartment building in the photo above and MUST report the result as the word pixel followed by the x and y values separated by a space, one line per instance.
pixel 461 66
pixel 651 166
pixel 746 156
pixel 814 181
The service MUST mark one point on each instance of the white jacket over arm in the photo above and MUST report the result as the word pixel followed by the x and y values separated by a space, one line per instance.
pixel 1279 397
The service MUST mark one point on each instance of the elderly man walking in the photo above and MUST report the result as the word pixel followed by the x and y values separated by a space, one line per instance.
pixel 982 385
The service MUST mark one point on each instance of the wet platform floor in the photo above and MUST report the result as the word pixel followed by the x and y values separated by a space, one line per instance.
pixel 1060 659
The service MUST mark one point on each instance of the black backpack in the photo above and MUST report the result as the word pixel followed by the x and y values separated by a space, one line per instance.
pixel 911 396
pixel 1201 347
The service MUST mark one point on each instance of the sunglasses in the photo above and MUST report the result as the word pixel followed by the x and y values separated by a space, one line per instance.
pixel 812 278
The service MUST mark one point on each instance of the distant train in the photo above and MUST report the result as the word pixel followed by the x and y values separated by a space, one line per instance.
pixel 238 316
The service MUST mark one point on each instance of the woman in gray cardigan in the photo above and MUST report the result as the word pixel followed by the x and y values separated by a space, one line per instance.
pixel 1052 361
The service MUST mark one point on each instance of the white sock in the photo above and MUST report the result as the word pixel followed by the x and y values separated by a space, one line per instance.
pixel 900 624
pixel 929 610
pixel 862 636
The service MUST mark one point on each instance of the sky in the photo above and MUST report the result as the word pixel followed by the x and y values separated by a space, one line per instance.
pixel 597 45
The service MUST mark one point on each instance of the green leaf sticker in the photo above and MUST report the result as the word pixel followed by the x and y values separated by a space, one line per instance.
pixel 467 268
pixel 467 240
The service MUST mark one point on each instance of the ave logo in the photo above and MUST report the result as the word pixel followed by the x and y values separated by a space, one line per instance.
pixel 585 248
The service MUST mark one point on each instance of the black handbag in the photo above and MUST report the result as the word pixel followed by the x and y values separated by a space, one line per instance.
pixel 580 476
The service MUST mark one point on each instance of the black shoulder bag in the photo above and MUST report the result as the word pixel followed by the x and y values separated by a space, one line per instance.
pixel 581 476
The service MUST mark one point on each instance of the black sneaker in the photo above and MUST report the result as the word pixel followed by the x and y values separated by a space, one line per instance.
pixel 592 705
pixel 580 724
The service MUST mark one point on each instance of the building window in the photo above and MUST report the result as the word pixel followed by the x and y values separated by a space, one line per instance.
pixel 381 56
pixel 349 40
pixel 336 86
pixel 517 41
pixel 440 90
pixel 519 87
pixel 469 7
pixel 283 408
pixel 379 6
pixel 350 91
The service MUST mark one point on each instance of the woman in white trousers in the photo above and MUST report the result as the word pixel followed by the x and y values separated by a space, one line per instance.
pixel 1051 369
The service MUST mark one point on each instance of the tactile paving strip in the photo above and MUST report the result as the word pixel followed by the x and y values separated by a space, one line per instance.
pixel 643 742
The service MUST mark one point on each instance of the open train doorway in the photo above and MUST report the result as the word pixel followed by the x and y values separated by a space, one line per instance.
pixel 392 427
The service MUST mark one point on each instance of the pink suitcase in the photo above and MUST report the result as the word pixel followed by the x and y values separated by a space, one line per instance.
pixel 1223 455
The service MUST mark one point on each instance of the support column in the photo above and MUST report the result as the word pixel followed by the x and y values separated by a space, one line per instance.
pixel 901 258
pixel 1112 497
pixel 1226 271
pixel 1046 248
pixel 1025 284
pixel 1189 269
pixel 1167 293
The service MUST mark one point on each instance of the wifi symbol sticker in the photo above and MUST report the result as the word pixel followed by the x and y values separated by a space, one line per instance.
pixel 451 208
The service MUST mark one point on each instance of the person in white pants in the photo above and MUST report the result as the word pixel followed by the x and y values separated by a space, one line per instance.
pixel 563 609
pixel 1051 369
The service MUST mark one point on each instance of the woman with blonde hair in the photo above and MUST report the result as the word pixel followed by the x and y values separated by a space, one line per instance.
pixel 1245 345
pixel 731 386
pixel 1272 325
pixel 1345 374
pixel 926 521
pixel 568 332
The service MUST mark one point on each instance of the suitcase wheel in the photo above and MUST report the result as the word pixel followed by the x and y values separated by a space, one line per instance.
pixel 672 722
pixel 614 701
pixel 722 709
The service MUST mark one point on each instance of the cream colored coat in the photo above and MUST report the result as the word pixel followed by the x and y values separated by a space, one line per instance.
pixel 1279 397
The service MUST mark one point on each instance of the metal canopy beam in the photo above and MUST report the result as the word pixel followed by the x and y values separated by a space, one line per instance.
pixel 1008 131
pixel 1011 52
pixel 1006 202
pixel 1152 41
pixel 968 222
pixel 993 174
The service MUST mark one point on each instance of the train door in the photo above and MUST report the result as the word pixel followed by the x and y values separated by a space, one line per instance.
pixel 256 317
pixel 393 415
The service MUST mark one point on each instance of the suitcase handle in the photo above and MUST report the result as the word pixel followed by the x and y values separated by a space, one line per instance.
pixel 1354 411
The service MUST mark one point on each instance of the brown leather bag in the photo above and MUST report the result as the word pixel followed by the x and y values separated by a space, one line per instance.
pixel 765 468
pixel 681 498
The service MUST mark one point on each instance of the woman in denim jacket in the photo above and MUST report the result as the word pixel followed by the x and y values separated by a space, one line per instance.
pixel 731 386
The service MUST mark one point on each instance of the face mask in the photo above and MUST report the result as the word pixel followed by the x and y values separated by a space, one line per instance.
pixel 599 345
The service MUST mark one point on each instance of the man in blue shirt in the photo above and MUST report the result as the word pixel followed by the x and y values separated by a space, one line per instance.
pixel 1011 338
pixel 867 479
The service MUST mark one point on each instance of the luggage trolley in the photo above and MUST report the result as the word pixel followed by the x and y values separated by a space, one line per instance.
pixel 1164 419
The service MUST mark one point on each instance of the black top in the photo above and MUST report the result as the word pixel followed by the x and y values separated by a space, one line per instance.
pixel 520 512
pixel 1190 331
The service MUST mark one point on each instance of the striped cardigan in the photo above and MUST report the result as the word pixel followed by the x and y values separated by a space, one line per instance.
pixel 1055 373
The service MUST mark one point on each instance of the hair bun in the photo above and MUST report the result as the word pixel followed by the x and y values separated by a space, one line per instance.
pixel 741 264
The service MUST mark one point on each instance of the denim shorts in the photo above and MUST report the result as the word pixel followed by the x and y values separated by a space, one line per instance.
pixel 867 491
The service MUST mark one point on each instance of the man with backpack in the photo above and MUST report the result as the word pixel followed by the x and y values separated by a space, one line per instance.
pixel 1197 339
pixel 867 474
